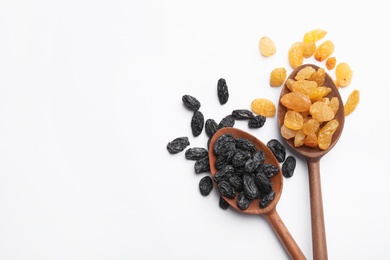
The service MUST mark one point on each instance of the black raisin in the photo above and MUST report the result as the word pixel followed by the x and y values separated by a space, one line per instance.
pixel 227 152
pixel 223 203
pixel 250 187
pixel 277 149
pixel 197 123
pixel 227 121
pixel 288 166
pixel 224 173
pixel 222 91
pixel 263 183
pixel 191 102
pixel 219 144
pixel 251 165
pixel 243 202
pixel 226 190
pixel 202 165
pixel 240 157
pixel 236 182
pixel 259 157
pixel 266 200
pixel 268 169
pixel 205 185
pixel 245 144
pixel 196 153
pixel 241 114
pixel 178 144
pixel 211 127
pixel 257 121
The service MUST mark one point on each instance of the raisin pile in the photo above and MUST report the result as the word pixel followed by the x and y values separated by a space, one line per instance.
pixel 231 180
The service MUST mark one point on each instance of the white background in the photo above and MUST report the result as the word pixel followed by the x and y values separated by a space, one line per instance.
pixel 90 95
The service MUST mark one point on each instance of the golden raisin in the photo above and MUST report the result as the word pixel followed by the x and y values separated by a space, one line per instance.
pixel 305 73
pixel 344 74
pixel 310 127
pixel 299 138
pixel 321 111
pixel 352 102
pixel 278 76
pixel 295 54
pixel 293 120
pixel 326 133
pixel 296 101
pixel 314 35
pixel 330 63
pixel 304 86
pixel 311 140
pixel 267 46
pixel 318 93
pixel 334 104
pixel 318 76
pixel 264 107
pixel 324 50
pixel 308 49
pixel 287 133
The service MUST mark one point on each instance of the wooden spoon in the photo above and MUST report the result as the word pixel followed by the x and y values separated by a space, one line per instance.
pixel 313 156
pixel 270 211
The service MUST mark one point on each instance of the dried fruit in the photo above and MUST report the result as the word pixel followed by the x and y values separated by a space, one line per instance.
pixel 310 126
pixel 211 127
pixel 318 76
pixel 197 123
pixel 293 120
pixel 295 54
pixel 191 102
pixel 257 121
pixel 266 200
pixel 226 190
pixel 242 114
pixel 227 121
pixel 264 107
pixel 288 166
pixel 196 153
pixel 314 35
pixel 278 76
pixel 267 46
pixel 243 202
pixel 202 165
pixel 178 144
pixel 344 74
pixel 287 133
pixel 326 133
pixel 324 50
pixel 352 102
pixel 305 73
pixel 223 203
pixel 277 149
pixel 321 111
pixel 222 91
pixel 296 101
pixel 318 93
pixel 304 86
pixel 308 49
pixel 205 185
pixel 330 63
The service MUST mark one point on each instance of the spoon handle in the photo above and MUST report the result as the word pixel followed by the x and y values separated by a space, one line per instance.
pixel 317 211
pixel 284 236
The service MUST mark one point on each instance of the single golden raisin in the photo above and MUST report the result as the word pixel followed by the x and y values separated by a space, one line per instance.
pixel 295 54
pixel 321 111
pixel 264 107
pixel 267 46
pixel 325 134
pixel 330 63
pixel 319 77
pixel 305 73
pixel 299 138
pixel 293 120
pixel 308 49
pixel 311 140
pixel 304 86
pixel 310 126
pixel 334 104
pixel 289 83
pixel 314 35
pixel 344 74
pixel 324 50
pixel 287 133
pixel 296 101
pixel 278 76
pixel 318 93
pixel 352 102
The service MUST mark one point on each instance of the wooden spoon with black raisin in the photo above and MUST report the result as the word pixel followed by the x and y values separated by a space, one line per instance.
pixel 269 211
pixel 313 155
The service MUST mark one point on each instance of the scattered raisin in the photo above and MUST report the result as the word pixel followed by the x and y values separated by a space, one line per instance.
pixel 288 166
pixel 196 153
pixel 197 123
pixel 240 114
pixel 202 165
pixel 191 102
pixel 222 91
pixel 178 144
pixel 205 185
pixel 277 149
pixel 257 121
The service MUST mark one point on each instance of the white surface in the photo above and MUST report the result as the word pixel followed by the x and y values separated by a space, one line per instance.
pixel 90 95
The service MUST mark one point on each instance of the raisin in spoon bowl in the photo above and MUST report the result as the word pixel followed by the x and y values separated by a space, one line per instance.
pixel 313 156
pixel 269 209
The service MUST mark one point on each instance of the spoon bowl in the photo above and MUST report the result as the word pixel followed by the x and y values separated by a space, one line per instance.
pixel 277 180
pixel 313 156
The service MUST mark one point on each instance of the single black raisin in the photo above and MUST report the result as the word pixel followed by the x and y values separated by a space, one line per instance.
pixel 263 183
pixel 223 203
pixel 227 121
pixel 226 190
pixel 222 91
pixel 268 169
pixel 202 165
pixel 266 200
pixel 219 144
pixel 277 149
pixel 245 144
pixel 250 187
pixel 197 123
pixel 196 153
pixel 240 157
pixel 191 102
pixel 226 154
pixel 236 182
pixel 178 144
pixel 211 127
pixel 205 185
pixel 259 157
pixel 257 121
pixel 243 202
pixel 288 166
pixel 241 114
pixel 224 173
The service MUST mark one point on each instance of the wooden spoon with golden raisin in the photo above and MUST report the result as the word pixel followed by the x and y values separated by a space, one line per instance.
pixel 253 207
pixel 326 138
